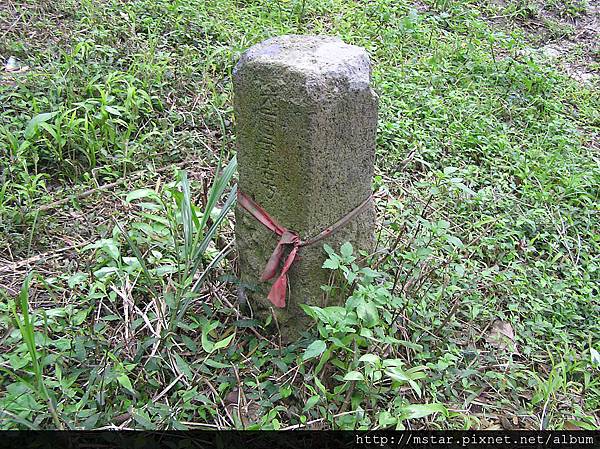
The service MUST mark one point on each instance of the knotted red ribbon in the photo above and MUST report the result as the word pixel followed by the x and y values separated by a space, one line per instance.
pixel 287 238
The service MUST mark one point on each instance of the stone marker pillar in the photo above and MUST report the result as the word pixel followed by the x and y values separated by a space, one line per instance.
pixel 306 120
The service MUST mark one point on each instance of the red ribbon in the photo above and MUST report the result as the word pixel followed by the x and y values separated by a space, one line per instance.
pixel 286 238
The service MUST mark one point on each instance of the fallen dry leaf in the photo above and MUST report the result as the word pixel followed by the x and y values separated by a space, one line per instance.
pixel 509 424
pixel 502 335
pixel 569 425
pixel 248 412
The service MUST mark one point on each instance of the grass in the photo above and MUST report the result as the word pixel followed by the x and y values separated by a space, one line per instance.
pixel 481 310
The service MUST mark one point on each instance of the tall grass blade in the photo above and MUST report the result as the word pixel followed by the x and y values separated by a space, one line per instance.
pixel 187 217
pixel 196 287
pixel 136 251
pixel 216 192
pixel 199 253
pixel 26 328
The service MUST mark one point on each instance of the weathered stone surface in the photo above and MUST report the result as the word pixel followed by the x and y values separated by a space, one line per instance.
pixel 306 120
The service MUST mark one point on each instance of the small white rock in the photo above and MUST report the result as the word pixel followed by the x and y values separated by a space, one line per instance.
pixel 12 65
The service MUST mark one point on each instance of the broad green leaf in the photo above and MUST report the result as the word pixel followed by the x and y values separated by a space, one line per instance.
pixel 367 312
pixel 18 361
pixel 312 401
pixel 142 418
pixel 354 375
pixel 112 110
pixel 285 391
pixel 346 250
pixel 455 241
pixel 140 193
pixel 324 359
pixel 320 385
pixel 223 343
pixel 246 323
pixel 189 343
pixel 331 264
pixel 183 366
pixel 386 419
pixel 107 245
pixel 80 317
pixel 397 374
pixel 369 273
pixel 449 170
pixel 215 364
pixel 105 271
pixel 328 249
pixel 207 345
pixel 76 279
pixel 415 411
pixel 33 125
pixel 466 189
pixel 373 359
pixel 392 362
pixel 125 382
pixel 315 349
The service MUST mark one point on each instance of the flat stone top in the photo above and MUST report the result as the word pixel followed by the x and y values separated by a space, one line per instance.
pixel 314 55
